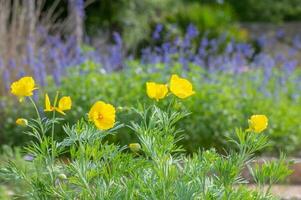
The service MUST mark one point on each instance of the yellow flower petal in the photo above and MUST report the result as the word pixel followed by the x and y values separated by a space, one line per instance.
pixel 48 107
pixel 65 103
pixel 24 87
pixel 180 87
pixel 258 123
pixel 156 91
pixel 103 115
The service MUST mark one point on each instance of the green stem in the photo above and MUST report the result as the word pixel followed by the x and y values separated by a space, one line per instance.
pixel 268 189
pixel 38 114
pixel 52 136
pixel 35 106
pixel 52 127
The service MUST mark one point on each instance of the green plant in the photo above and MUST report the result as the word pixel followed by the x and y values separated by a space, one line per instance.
pixel 269 10
pixel 84 165
pixel 207 18
pixel 270 172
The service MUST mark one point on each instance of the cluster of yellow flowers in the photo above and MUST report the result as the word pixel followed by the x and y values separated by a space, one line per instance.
pixel 178 86
pixel 103 114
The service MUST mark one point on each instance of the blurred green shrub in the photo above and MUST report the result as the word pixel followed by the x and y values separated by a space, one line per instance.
pixel 222 101
pixel 268 10
pixel 214 18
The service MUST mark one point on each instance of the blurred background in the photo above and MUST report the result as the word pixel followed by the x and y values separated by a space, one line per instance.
pixel 243 57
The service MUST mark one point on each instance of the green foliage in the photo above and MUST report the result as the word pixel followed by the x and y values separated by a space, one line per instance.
pixel 268 10
pixel 207 18
pixel 270 172
pixel 97 169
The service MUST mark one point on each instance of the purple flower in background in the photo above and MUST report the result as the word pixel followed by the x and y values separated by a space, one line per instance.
pixel 213 46
pixel 6 79
pixel 290 66
pixel 12 64
pixel 262 41
pixel 292 52
pixel 229 47
pixel 192 31
pixel 280 58
pixel 297 42
pixel 280 33
pixel 117 39
pixel 204 42
pixel 156 33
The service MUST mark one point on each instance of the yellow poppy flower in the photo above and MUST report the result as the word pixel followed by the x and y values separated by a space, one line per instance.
pixel 103 115
pixel 21 122
pixel 135 147
pixel 156 91
pixel 65 103
pixel 180 87
pixel 24 87
pixel 258 123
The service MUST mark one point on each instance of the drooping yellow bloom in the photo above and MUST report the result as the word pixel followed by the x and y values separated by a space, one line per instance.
pixel 48 107
pixel 103 115
pixel 156 91
pixel 135 147
pixel 258 123
pixel 180 87
pixel 22 122
pixel 65 103
pixel 24 87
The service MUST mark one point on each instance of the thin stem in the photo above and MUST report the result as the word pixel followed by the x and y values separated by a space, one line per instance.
pixel 38 114
pixel 268 189
pixel 52 127
pixel 35 106
pixel 52 135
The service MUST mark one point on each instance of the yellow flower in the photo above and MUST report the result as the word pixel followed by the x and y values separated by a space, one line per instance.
pixel 156 91
pixel 48 107
pixel 21 122
pixel 180 87
pixel 135 147
pixel 103 115
pixel 258 123
pixel 24 87
pixel 65 103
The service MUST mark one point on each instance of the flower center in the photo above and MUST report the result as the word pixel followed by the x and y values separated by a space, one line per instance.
pixel 99 116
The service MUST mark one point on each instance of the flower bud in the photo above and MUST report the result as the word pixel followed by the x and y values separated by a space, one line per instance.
pixel 62 176
pixel 135 147
pixel 22 122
